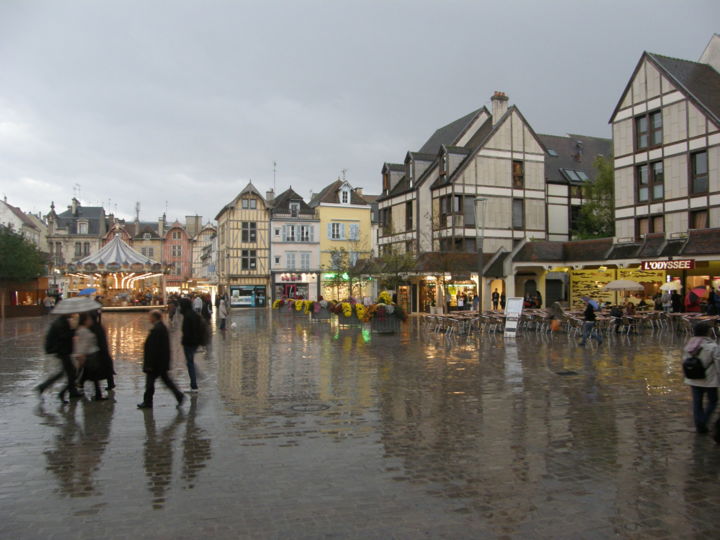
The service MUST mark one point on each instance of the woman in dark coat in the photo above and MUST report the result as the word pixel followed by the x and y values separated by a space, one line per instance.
pixel 156 361
pixel 106 361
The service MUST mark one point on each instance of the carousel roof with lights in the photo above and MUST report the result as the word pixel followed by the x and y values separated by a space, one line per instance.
pixel 116 255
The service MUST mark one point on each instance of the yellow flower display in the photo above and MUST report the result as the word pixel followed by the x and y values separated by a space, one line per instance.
pixel 347 309
pixel 361 312
pixel 307 304
pixel 385 298
pixel 298 305
pixel 277 303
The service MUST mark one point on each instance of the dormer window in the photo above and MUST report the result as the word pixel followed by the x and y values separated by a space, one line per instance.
pixel 82 227
pixel 294 209
pixel 345 196
pixel 146 236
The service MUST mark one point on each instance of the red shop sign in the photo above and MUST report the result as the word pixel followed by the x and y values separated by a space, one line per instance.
pixel 678 264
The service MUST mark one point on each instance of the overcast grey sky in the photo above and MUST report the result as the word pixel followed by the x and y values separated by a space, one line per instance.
pixel 185 101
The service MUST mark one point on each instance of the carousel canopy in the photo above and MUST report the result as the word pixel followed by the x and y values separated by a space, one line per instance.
pixel 115 256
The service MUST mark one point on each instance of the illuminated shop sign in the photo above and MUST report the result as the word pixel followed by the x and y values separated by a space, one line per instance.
pixel 679 264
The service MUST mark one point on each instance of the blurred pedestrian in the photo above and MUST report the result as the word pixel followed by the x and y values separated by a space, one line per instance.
pixel 676 302
pixel 193 335
pixel 589 330
pixel 59 341
pixel 104 355
pixel 222 313
pixel 86 353
pixel 704 348
pixel 156 361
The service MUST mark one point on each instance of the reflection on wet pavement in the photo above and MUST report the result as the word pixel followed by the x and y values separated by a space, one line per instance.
pixel 307 429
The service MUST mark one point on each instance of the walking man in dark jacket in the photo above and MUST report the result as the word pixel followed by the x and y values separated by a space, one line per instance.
pixel 59 341
pixel 193 335
pixel 156 361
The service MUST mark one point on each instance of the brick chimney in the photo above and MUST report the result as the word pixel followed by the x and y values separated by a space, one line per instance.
pixel 499 102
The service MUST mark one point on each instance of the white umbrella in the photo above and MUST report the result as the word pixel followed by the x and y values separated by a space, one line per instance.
pixel 76 304
pixel 623 285
pixel 670 286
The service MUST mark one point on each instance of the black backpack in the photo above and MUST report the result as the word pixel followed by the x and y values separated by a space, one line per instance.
pixel 693 367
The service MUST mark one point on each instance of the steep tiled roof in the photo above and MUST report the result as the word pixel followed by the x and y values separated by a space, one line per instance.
pixel 700 82
pixel 628 250
pixel 540 251
pixel 653 245
pixel 572 152
pixel 93 214
pixel 588 250
pixel 702 242
pixel 281 203
pixel 448 134
pixel 21 216
pixel 331 195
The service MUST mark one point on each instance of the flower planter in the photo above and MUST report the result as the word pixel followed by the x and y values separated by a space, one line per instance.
pixel 321 315
pixel 385 325
pixel 349 321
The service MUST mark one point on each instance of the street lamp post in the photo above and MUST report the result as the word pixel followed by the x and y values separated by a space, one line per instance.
pixel 480 206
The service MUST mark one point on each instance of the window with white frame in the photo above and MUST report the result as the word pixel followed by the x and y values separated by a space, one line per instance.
pixel 82 227
pixel 290 233
pixel 290 258
pixel 345 196
pixel 305 260
pixel 294 209
pixel 176 251
pixel 305 233
pixel 337 231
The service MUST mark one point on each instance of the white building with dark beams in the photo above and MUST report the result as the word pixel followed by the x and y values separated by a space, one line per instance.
pixel 666 134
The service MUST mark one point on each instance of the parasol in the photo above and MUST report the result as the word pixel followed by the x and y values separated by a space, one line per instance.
pixel 695 295
pixel 623 285
pixel 670 286
pixel 77 304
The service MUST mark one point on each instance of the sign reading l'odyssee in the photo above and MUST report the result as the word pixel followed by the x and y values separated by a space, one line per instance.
pixel 677 264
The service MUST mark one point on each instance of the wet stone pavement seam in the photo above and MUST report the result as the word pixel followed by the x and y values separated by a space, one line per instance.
pixel 310 430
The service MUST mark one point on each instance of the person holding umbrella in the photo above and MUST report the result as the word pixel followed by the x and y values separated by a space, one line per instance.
pixel 589 330
pixel 59 341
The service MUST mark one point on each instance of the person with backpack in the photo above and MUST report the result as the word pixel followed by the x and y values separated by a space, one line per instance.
pixel 701 358
pixel 194 335
pixel 156 362
pixel 59 341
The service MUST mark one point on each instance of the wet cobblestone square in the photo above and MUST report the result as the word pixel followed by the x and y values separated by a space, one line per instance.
pixel 310 430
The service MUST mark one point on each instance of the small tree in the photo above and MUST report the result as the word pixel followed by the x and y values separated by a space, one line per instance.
pixel 597 215
pixel 20 260
pixel 393 265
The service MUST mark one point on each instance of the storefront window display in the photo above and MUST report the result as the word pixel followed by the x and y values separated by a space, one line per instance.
pixel 247 296
pixel 459 295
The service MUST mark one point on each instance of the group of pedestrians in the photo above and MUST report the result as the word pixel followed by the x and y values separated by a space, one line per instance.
pixel 85 355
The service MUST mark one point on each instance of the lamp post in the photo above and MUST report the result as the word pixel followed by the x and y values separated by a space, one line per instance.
pixel 480 205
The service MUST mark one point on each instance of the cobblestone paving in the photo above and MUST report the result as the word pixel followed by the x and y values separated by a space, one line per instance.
pixel 308 430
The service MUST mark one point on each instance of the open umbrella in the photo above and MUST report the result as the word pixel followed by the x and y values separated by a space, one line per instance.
pixel 623 285
pixel 76 304
pixel 670 286
pixel 592 302
pixel 87 292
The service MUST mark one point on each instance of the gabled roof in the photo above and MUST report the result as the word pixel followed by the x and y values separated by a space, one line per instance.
pixel 21 216
pixel 461 167
pixel 450 133
pixel 331 195
pixel 281 203
pixel 699 82
pixel 136 229
pixel 572 153
pixel 250 190
pixel 399 167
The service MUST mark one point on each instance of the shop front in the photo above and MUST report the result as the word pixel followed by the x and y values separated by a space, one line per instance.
pixel 690 276
pixel 338 286
pixel 295 285
pixel 459 292
pixel 248 295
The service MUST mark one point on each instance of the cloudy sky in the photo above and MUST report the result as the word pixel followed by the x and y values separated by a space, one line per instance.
pixel 181 102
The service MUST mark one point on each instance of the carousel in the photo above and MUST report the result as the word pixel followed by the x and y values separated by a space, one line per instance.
pixel 121 277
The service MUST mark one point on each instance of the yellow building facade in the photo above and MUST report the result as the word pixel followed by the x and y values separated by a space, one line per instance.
pixel 345 239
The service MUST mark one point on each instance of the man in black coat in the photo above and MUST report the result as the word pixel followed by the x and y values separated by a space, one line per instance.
pixel 194 334
pixel 59 341
pixel 156 361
